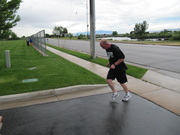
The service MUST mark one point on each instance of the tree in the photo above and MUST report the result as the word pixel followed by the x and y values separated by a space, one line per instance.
pixel 81 36
pixel 57 31
pixel 60 31
pixel 8 16
pixel 65 32
pixel 140 29
pixel 70 35
pixel 114 33
pixel 176 35
pixel 13 36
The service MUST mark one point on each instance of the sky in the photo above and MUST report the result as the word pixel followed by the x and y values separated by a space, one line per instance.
pixel 110 15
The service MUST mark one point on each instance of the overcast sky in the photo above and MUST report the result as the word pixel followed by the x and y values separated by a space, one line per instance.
pixel 113 15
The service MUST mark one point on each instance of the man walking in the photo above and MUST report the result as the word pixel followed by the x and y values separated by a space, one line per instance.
pixel 117 69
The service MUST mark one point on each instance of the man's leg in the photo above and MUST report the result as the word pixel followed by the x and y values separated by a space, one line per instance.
pixel 127 95
pixel 124 87
pixel 111 85
pixel 1 122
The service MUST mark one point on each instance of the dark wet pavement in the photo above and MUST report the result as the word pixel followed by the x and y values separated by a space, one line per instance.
pixel 92 115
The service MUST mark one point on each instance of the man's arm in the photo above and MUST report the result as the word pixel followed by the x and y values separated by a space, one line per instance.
pixel 116 63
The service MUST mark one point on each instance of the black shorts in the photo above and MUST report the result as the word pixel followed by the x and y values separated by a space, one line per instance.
pixel 119 75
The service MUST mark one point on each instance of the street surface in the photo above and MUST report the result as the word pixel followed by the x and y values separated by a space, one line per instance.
pixel 164 59
pixel 91 115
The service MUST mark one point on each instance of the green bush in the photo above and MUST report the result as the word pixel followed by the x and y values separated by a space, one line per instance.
pixel 81 36
pixel 176 36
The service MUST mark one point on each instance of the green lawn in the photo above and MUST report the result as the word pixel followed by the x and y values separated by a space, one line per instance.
pixel 134 71
pixel 51 71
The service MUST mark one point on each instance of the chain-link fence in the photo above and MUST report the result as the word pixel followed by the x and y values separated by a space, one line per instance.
pixel 39 41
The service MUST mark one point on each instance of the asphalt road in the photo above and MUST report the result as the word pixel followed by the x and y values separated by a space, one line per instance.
pixel 164 59
pixel 92 115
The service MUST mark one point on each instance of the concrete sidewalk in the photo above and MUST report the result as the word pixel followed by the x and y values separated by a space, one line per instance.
pixel 159 94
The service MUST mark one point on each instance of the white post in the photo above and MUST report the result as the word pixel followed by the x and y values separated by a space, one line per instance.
pixel 8 61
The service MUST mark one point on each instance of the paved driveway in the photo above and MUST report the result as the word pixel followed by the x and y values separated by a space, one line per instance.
pixel 92 115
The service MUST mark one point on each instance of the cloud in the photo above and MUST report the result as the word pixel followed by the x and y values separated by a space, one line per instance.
pixel 115 15
pixel 130 12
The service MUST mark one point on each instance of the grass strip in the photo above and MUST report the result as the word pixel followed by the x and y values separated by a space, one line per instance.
pixel 134 71
pixel 52 71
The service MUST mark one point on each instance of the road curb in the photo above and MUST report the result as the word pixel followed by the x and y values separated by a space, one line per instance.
pixel 162 80
pixel 49 93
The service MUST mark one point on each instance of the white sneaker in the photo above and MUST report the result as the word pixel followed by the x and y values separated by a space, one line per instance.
pixel 126 97
pixel 114 96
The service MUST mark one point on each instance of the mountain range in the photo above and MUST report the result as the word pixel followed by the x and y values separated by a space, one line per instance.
pixel 101 32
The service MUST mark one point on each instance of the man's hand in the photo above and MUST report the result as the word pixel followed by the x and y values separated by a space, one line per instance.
pixel 112 66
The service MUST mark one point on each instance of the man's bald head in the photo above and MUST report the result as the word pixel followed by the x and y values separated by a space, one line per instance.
pixel 105 44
